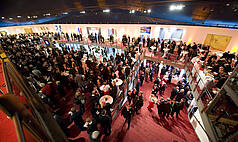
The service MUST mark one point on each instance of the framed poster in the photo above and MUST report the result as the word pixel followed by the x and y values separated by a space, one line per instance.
pixel 217 42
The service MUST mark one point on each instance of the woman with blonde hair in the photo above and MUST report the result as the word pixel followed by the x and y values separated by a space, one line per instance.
pixel 153 100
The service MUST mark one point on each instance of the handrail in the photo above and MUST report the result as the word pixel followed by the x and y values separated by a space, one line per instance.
pixel 19 130
pixel 35 105
pixel 15 117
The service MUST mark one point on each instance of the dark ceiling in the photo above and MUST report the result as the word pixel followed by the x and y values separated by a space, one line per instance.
pixel 195 11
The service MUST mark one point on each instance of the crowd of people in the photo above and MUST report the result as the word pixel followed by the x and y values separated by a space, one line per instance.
pixel 161 76
pixel 52 72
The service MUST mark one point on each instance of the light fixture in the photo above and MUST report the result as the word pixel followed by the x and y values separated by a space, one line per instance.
pixel 3 17
pixel 149 10
pixel 106 10
pixel 82 12
pixel 65 13
pixel 10 18
pixel 227 4
pixel 18 16
pixel 144 11
pixel 132 11
pixel 28 17
pixel 176 7
pixel 48 14
pixel 34 16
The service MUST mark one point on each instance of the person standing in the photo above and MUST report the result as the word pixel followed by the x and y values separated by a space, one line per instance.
pixel 173 93
pixel 140 102
pixel 160 68
pixel 167 108
pixel 153 100
pixel 147 70
pixel 80 100
pixel 175 108
pixel 127 114
pixel 76 117
pixel 142 76
pixel 170 78
pixel 105 121
pixel 129 96
pixel 151 74
pixel 135 102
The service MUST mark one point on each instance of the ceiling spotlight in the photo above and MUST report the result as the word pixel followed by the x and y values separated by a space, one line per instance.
pixel 132 11
pixel 65 13
pixel 19 16
pixel 176 7
pixel 3 17
pixel 227 4
pixel 48 14
pixel 144 11
pixel 106 10
pixel 235 10
pixel 28 17
pixel 82 12
pixel 34 16
pixel 149 11
pixel 10 18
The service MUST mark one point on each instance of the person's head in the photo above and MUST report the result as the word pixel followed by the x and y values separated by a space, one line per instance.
pixel 88 120
pixel 221 69
pixel 127 106
pixel 129 92
pixel 134 90
pixel 168 99
pixel 95 135
pixel 77 94
pixel 104 112
pixel 73 109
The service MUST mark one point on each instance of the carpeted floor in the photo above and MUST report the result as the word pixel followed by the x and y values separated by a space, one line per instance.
pixel 148 126
pixel 7 129
pixel 145 127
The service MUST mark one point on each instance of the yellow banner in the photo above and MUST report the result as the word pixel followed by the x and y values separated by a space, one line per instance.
pixel 217 42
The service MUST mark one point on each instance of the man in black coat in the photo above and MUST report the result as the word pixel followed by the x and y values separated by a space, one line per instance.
pixel 173 93
pixel 114 90
pixel 176 107
pixel 167 108
pixel 127 113
pixel 142 76
pixel 129 96
pixel 91 125
pixel 76 117
pixel 140 102
pixel 105 121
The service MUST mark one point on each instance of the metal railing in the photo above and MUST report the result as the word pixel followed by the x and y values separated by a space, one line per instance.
pixel 24 102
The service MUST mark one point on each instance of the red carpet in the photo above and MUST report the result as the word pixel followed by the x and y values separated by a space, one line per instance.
pixel 145 127
pixel 7 129
pixel 148 127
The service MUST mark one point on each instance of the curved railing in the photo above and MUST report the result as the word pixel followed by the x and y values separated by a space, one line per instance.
pixel 24 105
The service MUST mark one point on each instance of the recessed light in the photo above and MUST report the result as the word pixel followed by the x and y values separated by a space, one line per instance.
pixel 106 10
